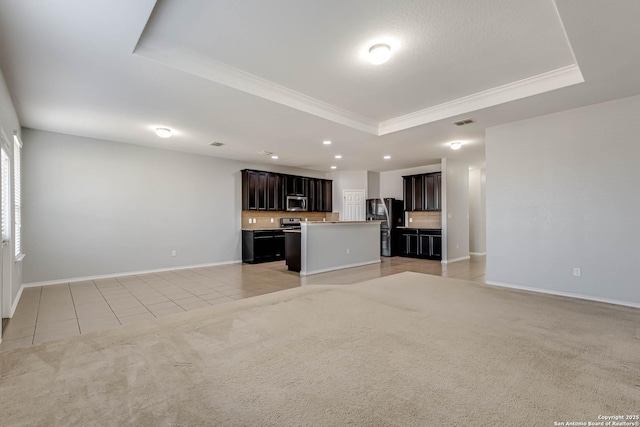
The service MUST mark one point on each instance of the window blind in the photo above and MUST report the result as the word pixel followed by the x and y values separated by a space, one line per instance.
pixel 5 195
pixel 17 147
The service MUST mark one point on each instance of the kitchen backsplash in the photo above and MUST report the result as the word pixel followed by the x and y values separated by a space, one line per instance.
pixel 424 219
pixel 263 218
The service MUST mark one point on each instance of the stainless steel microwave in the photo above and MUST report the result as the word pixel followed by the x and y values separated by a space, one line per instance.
pixel 296 203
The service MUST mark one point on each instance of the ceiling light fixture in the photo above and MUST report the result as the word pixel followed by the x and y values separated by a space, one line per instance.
pixel 338 156
pixel 456 145
pixel 163 132
pixel 379 53
pixel 334 167
pixel 274 157
pixel 387 157
pixel 327 142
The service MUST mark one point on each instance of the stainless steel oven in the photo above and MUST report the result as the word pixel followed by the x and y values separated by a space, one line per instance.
pixel 296 203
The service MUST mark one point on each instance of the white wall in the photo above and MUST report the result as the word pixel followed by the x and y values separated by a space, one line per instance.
pixel 12 273
pixel 455 210
pixel 347 180
pixel 373 185
pixel 94 207
pixel 563 192
pixel 391 181
pixel 477 209
pixel 325 246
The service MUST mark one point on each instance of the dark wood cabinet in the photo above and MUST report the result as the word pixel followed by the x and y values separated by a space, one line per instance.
pixel 249 190
pixel 432 191
pixel 436 246
pixel 422 192
pixel 262 191
pixel 274 199
pixel 293 250
pixel 421 243
pixel 262 245
pixel 327 195
pixel 268 191
pixel 407 189
pixel 296 185
pixel 410 243
pixel 418 193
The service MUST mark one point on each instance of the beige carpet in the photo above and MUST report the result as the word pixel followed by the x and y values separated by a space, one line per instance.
pixel 404 350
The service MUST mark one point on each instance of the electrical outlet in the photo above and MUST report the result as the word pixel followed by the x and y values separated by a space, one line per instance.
pixel 174 252
pixel 250 221
pixel 577 272
pixel 348 250
pixel 410 219
pixel 271 220
pixel 450 216
pixel 457 246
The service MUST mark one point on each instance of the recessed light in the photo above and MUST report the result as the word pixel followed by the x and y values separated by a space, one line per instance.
pixel 386 157
pixel 379 53
pixel 456 145
pixel 334 167
pixel 163 132
pixel 338 156
pixel 327 142
pixel 274 157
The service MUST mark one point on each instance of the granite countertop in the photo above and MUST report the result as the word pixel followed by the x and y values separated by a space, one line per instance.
pixel 311 222
pixel 262 229
pixel 342 222
pixel 420 228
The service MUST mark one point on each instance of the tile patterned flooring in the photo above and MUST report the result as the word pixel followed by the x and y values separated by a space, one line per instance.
pixel 54 312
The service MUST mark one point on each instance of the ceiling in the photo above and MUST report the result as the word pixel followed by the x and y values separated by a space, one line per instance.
pixel 284 75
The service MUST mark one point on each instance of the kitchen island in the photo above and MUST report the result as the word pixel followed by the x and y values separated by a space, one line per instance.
pixel 332 245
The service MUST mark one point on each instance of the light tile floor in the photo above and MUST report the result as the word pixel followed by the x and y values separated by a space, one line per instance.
pixel 59 311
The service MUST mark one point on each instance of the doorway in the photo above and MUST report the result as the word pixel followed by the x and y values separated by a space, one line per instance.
pixel 353 205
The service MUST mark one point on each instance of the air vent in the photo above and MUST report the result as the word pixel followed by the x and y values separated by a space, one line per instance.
pixel 463 122
pixel 265 153
pixel 216 144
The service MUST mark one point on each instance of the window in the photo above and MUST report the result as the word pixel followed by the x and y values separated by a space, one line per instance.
pixel 17 147
pixel 4 166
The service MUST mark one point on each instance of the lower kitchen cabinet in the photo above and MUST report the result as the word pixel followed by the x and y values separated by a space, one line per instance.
pixel 293 252
pixel 421 243
pixel 262 245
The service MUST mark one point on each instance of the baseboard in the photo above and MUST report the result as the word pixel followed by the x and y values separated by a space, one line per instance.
pixel 15 302
pixel 126 273
pixel 449 261
pixel 324 270
pixel 477 253
pixel 564 294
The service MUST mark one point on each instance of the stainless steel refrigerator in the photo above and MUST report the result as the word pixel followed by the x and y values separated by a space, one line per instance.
pixel 390 212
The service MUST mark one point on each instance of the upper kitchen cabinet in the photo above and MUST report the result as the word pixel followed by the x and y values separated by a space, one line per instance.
pixel 269 191
pixel 274 192
pixel 296 185
pixel 327 195
pixel 422 192
pixel 432 191
pixel 261 191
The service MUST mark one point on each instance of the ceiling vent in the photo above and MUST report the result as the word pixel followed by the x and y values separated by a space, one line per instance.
pixel 216 144
pixel 463 122
pixel 265 153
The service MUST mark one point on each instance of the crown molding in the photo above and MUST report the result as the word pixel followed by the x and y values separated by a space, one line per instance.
pixel 198 65
pixel 545 82
pixel 226 75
